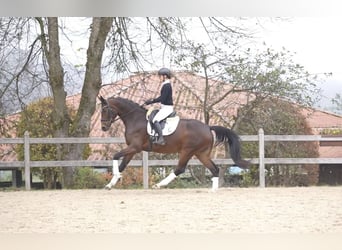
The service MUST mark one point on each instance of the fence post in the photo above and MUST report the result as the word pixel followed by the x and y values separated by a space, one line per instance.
pixel 261 158
pixel 27 161
pixel 145 169
pixel 14 178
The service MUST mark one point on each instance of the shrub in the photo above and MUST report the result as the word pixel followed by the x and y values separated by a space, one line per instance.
pixel 86 177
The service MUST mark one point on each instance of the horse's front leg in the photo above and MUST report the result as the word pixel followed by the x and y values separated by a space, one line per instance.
pixel 116 175
pixel 127 154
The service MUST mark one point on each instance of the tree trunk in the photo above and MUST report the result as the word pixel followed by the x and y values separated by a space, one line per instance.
pixel 91 87
pixel 56 77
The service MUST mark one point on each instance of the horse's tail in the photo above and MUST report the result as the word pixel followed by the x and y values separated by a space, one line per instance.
pixel 225 135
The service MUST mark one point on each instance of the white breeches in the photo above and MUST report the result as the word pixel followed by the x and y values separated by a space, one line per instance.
pixel 165 111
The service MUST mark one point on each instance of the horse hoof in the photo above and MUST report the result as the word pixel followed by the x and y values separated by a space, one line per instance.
pixel 155 186
pixel 107 187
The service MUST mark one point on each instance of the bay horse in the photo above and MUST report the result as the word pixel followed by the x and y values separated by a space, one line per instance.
pixel 192 137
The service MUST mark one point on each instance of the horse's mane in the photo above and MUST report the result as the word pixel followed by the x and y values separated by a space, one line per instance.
pixel 128 102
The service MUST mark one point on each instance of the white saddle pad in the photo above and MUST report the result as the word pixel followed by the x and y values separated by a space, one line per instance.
pixel 170 126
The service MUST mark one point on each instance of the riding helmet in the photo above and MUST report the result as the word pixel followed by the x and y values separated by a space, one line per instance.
pixel 164 72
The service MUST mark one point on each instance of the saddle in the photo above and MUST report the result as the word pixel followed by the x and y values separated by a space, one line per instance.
pixel 168 125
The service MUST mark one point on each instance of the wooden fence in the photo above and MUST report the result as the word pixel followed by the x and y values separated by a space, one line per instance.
pixel 27 164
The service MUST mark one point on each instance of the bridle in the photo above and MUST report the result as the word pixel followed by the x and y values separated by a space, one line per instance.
pixel 113 113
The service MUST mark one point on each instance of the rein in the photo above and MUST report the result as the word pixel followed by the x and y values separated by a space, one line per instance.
pixel 117 114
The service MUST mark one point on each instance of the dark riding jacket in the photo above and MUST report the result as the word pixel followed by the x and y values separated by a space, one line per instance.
pixel 165 97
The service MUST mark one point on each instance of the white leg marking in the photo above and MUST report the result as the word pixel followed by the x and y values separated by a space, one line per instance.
pixel 165 181
pixel 215 183
pixel 115 167
pixel 116 175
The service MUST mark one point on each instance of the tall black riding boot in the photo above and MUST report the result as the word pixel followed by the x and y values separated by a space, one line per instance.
pixel 158 129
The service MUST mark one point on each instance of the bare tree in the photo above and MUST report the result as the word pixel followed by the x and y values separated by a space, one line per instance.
pixel 21 77
pixel 92 83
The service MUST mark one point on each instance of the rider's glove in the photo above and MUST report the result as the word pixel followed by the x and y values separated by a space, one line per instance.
pixel 148 102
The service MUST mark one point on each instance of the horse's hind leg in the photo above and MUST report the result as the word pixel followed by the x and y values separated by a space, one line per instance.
pixel 207 162
pixel 183 161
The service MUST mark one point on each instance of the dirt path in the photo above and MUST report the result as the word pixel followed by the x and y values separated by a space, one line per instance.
pixel 252 210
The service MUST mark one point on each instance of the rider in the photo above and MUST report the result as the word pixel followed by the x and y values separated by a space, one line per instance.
pixel 165 98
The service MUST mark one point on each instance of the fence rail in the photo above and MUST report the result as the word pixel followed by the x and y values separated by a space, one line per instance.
pixel 27 164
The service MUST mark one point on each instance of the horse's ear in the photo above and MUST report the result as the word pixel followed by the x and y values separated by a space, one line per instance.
pixel 103 101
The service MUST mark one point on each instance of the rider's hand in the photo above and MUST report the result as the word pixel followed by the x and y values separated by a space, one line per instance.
pixel 148 102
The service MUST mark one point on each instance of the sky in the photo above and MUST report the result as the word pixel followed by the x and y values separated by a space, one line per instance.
pixel 317 42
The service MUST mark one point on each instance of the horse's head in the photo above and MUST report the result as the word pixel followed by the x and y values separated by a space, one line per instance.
pixel 107 114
